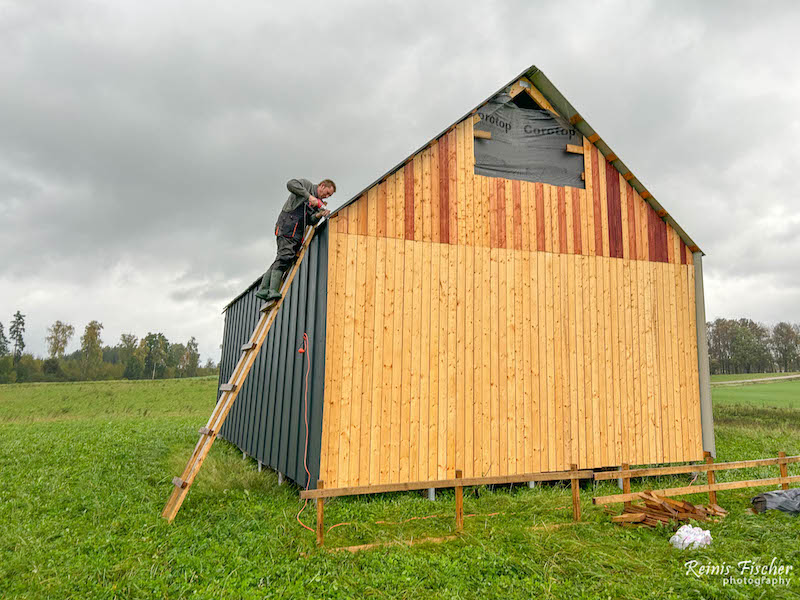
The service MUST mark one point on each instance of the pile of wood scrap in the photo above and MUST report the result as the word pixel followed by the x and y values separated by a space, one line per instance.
pixel 656 510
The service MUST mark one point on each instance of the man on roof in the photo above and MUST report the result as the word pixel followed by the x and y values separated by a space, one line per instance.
pixel 306 206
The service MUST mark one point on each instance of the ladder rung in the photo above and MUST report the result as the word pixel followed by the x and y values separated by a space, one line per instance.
pixel 267 307
pixel 205 431
pixel 178 482
pixel 227 387
pixel 248 346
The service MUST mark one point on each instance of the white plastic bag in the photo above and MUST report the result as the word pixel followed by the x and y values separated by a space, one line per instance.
pixel 690 537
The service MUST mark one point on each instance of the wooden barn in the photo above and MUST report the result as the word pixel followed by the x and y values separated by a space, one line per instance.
pixel 507 301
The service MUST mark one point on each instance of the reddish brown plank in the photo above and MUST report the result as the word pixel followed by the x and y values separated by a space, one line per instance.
pixel 562 219
pixel 614 212
pixel 576 220
pixel 500 202
pixel 657 234
pixel 657 229
pixel 683 252
pixel 516 197
pixel 651 232
pixel 631 222
pixel 540 217
pixel 444 192
pixel 408 175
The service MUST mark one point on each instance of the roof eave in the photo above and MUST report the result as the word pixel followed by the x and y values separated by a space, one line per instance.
pixel 563 107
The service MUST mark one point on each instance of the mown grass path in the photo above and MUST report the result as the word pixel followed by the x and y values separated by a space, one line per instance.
pixel 744 376
pixel 86 469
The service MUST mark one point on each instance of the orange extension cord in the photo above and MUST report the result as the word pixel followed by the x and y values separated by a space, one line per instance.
pixel 304 350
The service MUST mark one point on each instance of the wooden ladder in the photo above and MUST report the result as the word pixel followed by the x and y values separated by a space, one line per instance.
pixel 230 391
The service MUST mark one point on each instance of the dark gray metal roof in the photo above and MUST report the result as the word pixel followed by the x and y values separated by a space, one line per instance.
pixel 566 110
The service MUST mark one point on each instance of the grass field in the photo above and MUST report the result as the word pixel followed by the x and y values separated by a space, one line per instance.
pixel 86 469
pixel 779 394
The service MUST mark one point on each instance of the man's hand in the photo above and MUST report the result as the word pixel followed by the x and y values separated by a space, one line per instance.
pixel 316 202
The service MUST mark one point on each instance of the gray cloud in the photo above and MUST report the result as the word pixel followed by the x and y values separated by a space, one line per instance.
pixel 145 147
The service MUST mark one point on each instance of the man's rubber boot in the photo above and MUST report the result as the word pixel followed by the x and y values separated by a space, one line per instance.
pixel 263 291
pixel 274 291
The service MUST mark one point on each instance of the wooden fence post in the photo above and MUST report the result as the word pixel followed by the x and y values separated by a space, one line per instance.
pixel 320 515
pixel 626 484
pixel 784 470
pixel 576 493
pixel 712 496
pixel 459 503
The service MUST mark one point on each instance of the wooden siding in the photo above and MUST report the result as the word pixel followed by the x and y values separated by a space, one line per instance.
pixel 504 327
pixel 503 361
pixel 437 197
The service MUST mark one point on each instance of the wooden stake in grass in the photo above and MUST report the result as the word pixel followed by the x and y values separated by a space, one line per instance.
pixel 459 503
pixel 712 495
pixel 576 493
pixel 320 516
pixel 626 483
pixel 784 470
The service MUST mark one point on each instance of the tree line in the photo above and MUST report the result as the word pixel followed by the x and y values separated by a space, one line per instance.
pixel 734 346
pixel 151 357
pixel 744 346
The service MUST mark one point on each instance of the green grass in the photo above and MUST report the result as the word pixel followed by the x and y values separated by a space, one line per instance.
pixel 778 394
pixel 86 470
pixel 28 402
pixel 737 377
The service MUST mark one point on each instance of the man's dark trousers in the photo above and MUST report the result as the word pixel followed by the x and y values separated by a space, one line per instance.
pixel 287 254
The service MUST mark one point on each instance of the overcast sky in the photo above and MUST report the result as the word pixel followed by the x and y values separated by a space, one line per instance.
pixel 145 146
